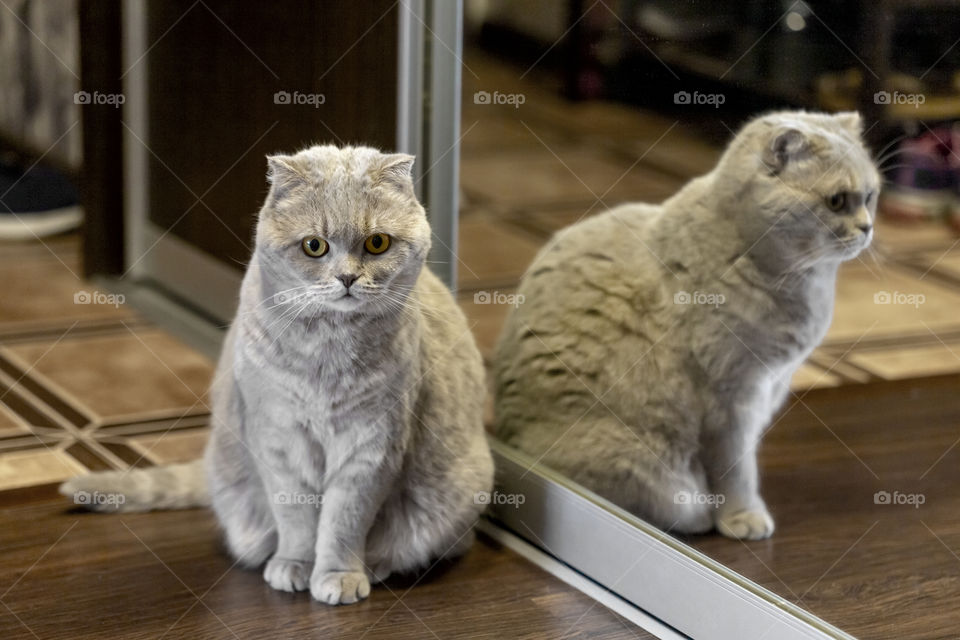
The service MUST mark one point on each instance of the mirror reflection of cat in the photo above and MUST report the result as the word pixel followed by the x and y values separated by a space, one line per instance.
pixel 655 342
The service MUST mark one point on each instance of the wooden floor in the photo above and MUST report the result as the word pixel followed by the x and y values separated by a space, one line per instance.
pixel 71 574
pixel 874 570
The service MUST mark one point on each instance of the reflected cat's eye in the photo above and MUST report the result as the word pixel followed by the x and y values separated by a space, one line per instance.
pixel 377 243
pixel 314 246
pixel 837 201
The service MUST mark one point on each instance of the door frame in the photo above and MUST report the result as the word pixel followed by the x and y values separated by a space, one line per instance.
pixel 428 57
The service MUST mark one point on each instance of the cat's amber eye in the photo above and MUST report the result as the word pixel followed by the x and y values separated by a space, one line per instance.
pixel 837 201
pixel 377 243
pixel 314 246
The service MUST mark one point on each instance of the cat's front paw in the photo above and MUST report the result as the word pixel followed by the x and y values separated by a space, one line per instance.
pixel 287 575
pixel 746 524
pixel 339 587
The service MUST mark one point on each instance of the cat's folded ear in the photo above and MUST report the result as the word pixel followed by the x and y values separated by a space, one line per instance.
pixel 395 170
pixel 284 175
pixel 786 145
pixel 851 121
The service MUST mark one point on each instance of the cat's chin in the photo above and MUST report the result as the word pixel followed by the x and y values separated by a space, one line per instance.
pixel 851 249
pixel 344 304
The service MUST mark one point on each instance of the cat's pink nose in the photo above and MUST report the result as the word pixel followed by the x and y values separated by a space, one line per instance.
pixel 347 279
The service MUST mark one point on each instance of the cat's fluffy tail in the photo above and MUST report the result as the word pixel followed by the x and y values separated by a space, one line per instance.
pixel 174 486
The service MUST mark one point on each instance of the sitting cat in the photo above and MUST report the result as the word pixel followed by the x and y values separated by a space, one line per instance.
pixel 347 440
pixel 655 342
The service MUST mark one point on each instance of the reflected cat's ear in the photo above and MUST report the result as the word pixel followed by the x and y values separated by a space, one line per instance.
pixel 284 175
pixel 787 145
pixel 396 170
pixel 851 121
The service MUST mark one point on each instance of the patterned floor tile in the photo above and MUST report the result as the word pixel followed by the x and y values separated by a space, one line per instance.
pixel 493 253
pixel 126 375
pixel 946 263
pixel 561 176
pixel 487 133
pixel 896 238
pixel 44 293
pixel 546 221
pixel 33 467
pixel 889 300
pixel 11 424
pixel 811 377
pixel 175 446
pixel 486 313
pixel 909 362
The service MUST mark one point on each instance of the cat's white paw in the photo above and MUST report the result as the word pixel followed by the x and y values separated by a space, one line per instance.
pixel 746 524
pixel 339 587
pixel 287 575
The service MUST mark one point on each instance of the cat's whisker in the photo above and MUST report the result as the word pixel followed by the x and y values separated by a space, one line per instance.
pixel 875 257
pixel 893 167
pixel 413 303
pixel 274 298
pixel 804 261
pixel 892 154
pixel 270 326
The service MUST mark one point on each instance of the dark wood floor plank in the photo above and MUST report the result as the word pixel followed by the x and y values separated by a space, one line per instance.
pixel 76 575
pixel 874 570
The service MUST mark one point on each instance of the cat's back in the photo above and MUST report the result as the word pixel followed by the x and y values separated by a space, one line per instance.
pixel 590 303
pixel 614 232
pixel 600 260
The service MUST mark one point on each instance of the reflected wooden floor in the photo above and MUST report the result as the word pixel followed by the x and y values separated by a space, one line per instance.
pixel 864 484
pixel 69 574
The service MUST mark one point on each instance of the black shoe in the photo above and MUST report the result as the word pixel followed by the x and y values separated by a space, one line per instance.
pixel 36 203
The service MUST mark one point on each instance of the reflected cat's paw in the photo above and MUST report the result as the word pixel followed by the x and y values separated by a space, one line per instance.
pixel 746 524
pixel 339 587
pixel 287 575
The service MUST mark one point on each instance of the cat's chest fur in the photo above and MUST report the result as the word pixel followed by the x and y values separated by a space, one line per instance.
pixel 318 379
pixel 773 329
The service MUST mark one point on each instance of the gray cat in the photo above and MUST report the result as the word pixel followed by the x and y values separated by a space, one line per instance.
pixel 347 439
pixel 656 341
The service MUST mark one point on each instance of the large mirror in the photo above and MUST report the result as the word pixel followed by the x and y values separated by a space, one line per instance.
pixel 571 109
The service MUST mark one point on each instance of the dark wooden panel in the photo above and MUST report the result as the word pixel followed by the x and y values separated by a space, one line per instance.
pixel 213 73
pixel 101 176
